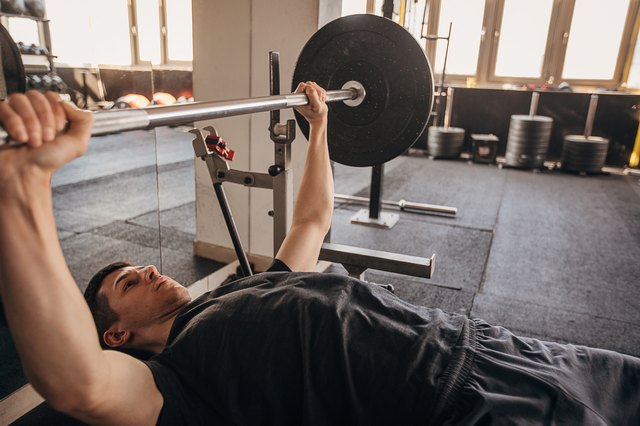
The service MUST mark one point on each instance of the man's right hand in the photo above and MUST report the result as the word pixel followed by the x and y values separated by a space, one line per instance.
pixel 37 120
pixel 316 110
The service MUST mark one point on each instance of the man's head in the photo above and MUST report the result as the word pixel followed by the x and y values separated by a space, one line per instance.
pixel 133 306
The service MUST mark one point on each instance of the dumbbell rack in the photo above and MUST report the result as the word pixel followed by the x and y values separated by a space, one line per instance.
pixel 38 62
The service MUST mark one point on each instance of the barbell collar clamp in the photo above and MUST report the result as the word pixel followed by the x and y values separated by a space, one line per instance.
pixel 361 93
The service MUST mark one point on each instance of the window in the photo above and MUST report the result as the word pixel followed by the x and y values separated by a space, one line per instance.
pixel 104 31
pixel 148 31
pixel 522 38
pixel 97 32
pixel 634 73
pixel 466 32
pixel 24 30
pixel 530 41
pixel 178 30
pixel 352 7
pixel 414 16
pixel 594 39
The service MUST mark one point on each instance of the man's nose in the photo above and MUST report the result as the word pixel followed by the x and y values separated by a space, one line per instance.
pixel 150 273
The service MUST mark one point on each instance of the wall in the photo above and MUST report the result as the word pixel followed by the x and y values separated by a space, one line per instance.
pixel 231 45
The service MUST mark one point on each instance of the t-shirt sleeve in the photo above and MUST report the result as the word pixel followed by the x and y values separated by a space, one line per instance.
pixel 177 408
pixel 278 266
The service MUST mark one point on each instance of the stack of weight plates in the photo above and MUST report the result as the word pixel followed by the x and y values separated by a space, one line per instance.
pixel 528 141
pixel 581 154
pixel 445 142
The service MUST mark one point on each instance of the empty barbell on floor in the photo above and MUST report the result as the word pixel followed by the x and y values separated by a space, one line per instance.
pixel 372 64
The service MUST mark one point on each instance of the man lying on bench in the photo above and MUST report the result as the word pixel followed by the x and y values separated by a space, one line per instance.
pixel 283 347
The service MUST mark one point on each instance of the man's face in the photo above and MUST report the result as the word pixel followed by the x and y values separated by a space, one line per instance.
pixel 142 297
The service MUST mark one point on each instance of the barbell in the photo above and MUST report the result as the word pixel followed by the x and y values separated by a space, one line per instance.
pixel 373 65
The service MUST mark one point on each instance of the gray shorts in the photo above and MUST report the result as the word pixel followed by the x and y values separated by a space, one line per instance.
pixel 499 378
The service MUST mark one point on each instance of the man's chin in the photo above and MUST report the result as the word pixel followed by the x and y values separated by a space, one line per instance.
pixel 178 298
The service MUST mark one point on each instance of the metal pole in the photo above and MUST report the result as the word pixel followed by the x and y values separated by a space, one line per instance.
pixel 448 108
pixel 402 204
pixel 533 107
pixel 591 116
pixel 233 231
pixel 375 194
pixel 444 68
pixel 283 178
pixel 114 121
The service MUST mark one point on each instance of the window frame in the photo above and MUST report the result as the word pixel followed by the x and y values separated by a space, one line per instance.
pixel 164 32
pixel 555 47
pixel 633 40
pixel 165 62
pixel 494 41
pixel 625 49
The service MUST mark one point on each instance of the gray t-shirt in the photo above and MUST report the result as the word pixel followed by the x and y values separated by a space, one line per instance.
pixel 284 348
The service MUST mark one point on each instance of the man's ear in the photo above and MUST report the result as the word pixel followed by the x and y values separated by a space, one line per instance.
pixel 115 338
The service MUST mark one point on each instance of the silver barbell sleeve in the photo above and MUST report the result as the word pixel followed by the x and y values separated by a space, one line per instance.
pixel 114 121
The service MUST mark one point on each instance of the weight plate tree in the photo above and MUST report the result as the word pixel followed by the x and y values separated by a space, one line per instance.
pixel 585 153
pixel 396 75
pixel 446 141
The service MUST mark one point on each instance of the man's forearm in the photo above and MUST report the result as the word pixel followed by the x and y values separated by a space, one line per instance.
pixel 315 196
pixel 51 325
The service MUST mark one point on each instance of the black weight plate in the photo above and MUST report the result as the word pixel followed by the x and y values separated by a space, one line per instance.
pixel 397 78
pixel 445 143
pixel 526 144
pixel 516 127
pixel 594 158
pixel 597 140
pixel 525 119
pixel 433 130
pixel 586 146
pixel 524 150
pixel 584 153
pixel 530 125
pixel 529 139
pixel 530 131
pixel 14 76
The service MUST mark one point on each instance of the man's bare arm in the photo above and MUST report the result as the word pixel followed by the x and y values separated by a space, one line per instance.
pixel 49 320
pixel 313 208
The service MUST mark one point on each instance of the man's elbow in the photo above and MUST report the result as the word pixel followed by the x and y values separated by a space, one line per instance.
pixel 321 222
pixel 78 403
pixel 326 217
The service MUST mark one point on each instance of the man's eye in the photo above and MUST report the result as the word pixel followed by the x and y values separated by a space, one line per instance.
pixel 127 285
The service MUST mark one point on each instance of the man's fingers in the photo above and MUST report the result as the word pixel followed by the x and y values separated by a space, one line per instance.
pixel 81 124
pixel 60 118
pixel 21 105
pixel 43 110
pixel 311 91
pixel 300 88
pixel 12 123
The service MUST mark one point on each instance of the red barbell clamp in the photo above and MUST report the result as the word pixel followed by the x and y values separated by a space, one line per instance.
pixel 219 145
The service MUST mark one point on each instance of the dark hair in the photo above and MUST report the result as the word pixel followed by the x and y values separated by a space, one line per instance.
pixel 102 313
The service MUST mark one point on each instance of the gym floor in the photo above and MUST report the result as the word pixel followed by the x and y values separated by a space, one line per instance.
pixel 545 254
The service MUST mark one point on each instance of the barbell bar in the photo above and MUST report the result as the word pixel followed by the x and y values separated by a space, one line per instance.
pixel 114 121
